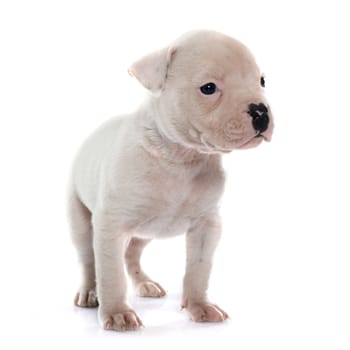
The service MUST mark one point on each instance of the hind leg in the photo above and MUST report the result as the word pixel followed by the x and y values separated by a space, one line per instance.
pixel 143 284
pixel 81 234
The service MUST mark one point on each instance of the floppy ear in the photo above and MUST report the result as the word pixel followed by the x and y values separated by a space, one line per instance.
pixel 151 70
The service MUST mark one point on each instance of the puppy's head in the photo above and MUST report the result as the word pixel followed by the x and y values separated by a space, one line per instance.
pixel 208 91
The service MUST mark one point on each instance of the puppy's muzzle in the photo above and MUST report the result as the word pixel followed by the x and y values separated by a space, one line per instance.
pixel 260 116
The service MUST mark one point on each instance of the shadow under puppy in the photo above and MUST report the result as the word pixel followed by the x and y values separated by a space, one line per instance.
pixel 157 173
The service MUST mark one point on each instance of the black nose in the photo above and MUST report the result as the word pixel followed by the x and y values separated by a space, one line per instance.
pixel 260 116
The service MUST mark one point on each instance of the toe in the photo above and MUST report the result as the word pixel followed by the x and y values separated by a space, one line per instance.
pixel 206 312
pixel 151 289
pixel 123 321
pixel 214 314
pixel 86 298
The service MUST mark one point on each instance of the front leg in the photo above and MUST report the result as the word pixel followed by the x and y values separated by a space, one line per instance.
pixel 109 248
pixel 201 242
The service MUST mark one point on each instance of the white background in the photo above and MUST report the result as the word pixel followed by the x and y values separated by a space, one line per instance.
pixel 282 269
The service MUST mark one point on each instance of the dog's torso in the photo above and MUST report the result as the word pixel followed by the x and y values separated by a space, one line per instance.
pixel 150 188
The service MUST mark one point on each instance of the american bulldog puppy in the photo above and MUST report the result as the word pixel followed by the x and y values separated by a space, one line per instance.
pixel 157 173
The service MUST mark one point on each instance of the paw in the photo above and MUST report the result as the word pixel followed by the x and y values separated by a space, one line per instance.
pixel 150 289
pixel 205 312
pixel 126 320
pixel 86 297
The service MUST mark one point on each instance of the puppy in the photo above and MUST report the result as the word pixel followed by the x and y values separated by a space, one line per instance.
pixel 157 173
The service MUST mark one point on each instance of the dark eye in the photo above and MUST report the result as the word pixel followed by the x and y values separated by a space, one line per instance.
pixel 208 88
pixel 262 81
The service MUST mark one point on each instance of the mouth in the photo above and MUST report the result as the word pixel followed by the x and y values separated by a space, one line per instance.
pixel 212 149
pixel 253 141
pixel 203 145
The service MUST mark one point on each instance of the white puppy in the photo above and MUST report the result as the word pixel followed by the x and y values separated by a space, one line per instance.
pixel 157 172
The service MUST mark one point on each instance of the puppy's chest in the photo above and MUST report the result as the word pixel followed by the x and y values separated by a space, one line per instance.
pixel 176 203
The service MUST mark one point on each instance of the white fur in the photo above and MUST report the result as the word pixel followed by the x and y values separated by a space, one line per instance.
pixel 157 173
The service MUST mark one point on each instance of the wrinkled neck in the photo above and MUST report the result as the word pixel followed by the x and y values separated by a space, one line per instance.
pixel 159 142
